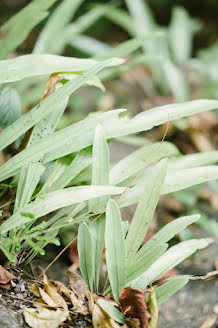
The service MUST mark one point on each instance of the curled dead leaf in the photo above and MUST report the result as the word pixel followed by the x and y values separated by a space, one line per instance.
pixel 101 320
pixel 133 304
pixel 153 309
pixel 34 289
pixel 51 295
pixel 44 318
pixel 77 284
pixel 132 323
pixel 5 276
pixel 78 306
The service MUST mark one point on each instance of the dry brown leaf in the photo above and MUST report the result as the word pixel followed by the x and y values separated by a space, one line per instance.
pixel 209 322
pixel 78 306
pixel 91 301
pixel 44 318
pixel 101 320
pixel 34 288
pixel 77 284
pixel 5 276
pixel 133 304
pixel 132 322
pixel 51 296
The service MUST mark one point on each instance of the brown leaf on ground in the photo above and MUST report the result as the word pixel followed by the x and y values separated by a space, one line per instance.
pixel 34 288
pixel 44 318
pixel 77 284
pixel 51 296
pixel 132 323
pixel 209 322
pixel 5 278
pixel 101 320
pixel 78 306
pixel 133 304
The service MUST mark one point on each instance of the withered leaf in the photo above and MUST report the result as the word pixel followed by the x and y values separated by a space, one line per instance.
pixel 5 276
pixel 51 296
pixel 77 284
pixel 153 309
pixel 44 318
pixel 133 304
pixel 101 320
pixel 132 323
pixel 78 306
pixel 34 288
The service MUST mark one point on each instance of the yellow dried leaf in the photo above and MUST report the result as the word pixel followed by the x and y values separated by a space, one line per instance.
pixel 101 320
pixel 78 306
pixel 44 318
pixel 53 298
pixel 34 288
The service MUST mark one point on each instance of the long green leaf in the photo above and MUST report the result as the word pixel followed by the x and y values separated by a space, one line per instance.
pixel 39 112
pixel 55 200
pixel 121 18
pixel 164 292
pixel 134 162
pixel 165 234
pixel 115 249
pixel 145 210
pixel 97 230
pixel 61 16
pixel 140 265
pixel 34 65
pixel 169 260
pixel 100 166
pixel 110 309
pixel 193 160
pixel 69 172
pixel 84 245
pixel 174 181
pixel 19 26
pixel 27 183
pixel 143 122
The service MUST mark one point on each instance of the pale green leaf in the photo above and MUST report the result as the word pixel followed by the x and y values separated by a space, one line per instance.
pixel 39 112
pixel 181 32
pixel 110 309
pixel 145 210
pixel 97 230
pixel 60 17
pixel 55 200
pixel 135 162
pixel 90 45
pixel 164 292
pixel 19 26
pixel 84 245
pixel 121 18
pixel 27 183
pixel 115 249
pixel 193 160
pixel 10 106
pixel 146 259
pixel 165 234
pixel 169 260
pixel 100 166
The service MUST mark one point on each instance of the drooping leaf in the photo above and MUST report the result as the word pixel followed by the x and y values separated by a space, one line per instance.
pixel 164 292
pixel 115 249
pixel 55 200
pixel 145 210
pixel 170 259
pixel 111 310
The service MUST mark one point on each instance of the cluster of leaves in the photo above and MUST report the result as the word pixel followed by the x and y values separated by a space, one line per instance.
pixel 54 169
